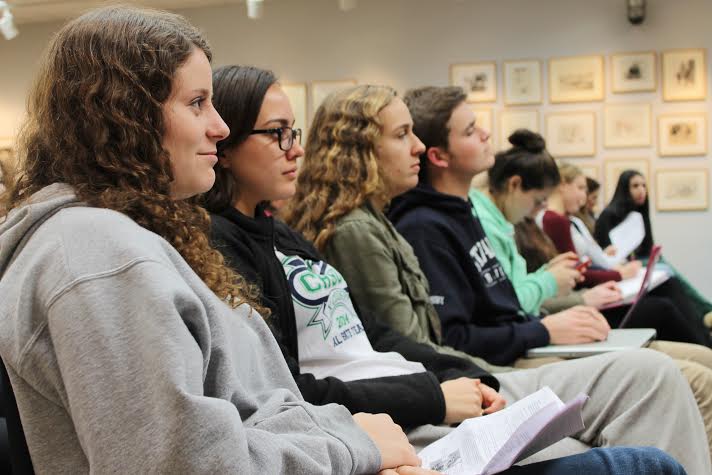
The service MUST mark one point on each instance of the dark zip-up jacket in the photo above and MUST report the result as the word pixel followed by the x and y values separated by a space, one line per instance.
pixel 249 244
pixel 475 300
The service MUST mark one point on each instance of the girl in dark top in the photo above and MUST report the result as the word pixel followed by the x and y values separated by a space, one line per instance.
pixel 632 195
pixel 676 323
pixel 337 354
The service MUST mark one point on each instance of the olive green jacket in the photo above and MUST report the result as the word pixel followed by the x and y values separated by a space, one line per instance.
pixel 384 276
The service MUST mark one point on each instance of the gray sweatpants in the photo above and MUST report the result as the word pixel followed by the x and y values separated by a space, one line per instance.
pixel 637 398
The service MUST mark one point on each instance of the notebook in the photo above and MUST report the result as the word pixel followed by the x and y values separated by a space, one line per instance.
pixel 618 339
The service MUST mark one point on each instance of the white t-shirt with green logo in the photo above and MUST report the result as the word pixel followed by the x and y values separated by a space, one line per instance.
pixel 332 340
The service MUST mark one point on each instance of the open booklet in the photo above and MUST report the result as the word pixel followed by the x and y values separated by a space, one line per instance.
pixel 493 443
pixel 630 287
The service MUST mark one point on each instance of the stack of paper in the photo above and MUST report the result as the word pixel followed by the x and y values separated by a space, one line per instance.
pixel 627 236
pixel 493 443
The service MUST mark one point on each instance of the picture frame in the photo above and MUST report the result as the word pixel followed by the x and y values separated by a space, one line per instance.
pixel 478 80
pixel 634 72
pixel 613 167
pixel 513 119
pixel 627 125
pixel 297 94
pixel 684 74
pixel 522 82
pixel 682 134
pixel 321 89
pixel 571 134
pixel 591 170
pixel 484 118
pixel 576 79
pixel 682 189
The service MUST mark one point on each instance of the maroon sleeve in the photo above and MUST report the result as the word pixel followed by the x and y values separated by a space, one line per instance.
pixel 558 228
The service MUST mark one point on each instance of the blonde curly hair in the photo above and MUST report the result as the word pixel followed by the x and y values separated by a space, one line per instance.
pixel 340 171
pixel 95 121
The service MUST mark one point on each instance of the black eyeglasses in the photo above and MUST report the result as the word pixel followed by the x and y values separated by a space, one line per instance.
pixel 285 135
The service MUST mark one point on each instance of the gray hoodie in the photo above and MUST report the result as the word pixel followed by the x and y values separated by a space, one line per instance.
pixel 123 360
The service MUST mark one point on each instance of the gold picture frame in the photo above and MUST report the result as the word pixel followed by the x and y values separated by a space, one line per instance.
pixel 684 74
pixel 522 82
pixel 682 134
pixel 627 125
pixel 634 72
pixel 682 189
pixel 478 80
pixel 576 79
pixel 571 134
pixel 513 119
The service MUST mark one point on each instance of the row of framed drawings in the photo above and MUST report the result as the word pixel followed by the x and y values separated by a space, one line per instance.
pixel 679 189
pixel 673 189
pixel 625 125
pixel 581 78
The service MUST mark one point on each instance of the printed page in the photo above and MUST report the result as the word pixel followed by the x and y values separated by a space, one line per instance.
pixel 469 448
pixel 627 236
pixel 541 430
pixel 629 287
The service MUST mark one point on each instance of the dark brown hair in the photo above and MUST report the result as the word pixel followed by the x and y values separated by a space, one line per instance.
pixel 95 121
pixel 238 93
pixel 431 108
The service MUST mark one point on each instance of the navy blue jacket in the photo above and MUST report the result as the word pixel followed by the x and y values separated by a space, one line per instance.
pixel 473 296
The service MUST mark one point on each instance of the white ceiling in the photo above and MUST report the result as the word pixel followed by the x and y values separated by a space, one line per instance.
pixel 36 11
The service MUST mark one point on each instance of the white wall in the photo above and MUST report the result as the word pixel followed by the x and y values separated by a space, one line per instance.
pixel 408 43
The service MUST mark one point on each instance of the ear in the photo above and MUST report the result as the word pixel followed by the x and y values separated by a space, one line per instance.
pixel 514 183
pixel 437 157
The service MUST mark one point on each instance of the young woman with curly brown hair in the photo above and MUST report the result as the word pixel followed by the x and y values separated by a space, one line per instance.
pixel 129 344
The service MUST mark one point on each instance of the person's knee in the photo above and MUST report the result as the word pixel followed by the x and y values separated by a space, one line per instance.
pixel 638 461
pixel 698 376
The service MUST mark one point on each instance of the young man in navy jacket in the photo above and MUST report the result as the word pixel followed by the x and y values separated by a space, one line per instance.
pixel 475 300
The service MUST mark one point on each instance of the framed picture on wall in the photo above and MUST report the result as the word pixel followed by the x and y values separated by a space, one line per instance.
pixel 513 119
pixel 321 89
pixel 633 72
pixel 522 82
pixel 684 75
pixel 682 134
pixel 681 189
pixel 571 134
pixel 484 118
pixel 576 79
pixel 613 167
pixel 297 94
pixel 627 125
pixel 479 80
pixel 591 170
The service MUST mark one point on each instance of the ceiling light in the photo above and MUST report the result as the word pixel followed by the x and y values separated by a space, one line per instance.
pixel 347 5
pixel 7 25
pixel 254 9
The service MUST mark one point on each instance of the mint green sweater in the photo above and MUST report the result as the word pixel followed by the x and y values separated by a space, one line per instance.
pixel 531 288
